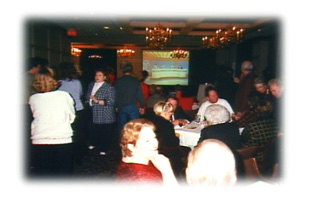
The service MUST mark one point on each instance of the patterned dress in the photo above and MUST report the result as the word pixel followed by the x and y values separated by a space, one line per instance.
pixel 259 133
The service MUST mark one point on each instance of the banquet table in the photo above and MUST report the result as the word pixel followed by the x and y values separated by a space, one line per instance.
pixel 189 134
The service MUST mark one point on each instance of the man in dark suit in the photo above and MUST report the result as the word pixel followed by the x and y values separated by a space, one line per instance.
pixel 220 127
pixel 245 87
pixel 178 110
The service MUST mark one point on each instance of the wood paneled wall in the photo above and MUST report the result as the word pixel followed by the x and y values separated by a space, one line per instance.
pixel 47 41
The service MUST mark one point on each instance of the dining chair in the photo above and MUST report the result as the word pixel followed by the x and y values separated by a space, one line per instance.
pixel 248 152
pixel 251 169
pixel 253 172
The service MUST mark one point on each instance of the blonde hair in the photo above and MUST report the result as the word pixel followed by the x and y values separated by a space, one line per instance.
pixel 211 163
pixel 131 132
pixel 44 81
pixel 162 106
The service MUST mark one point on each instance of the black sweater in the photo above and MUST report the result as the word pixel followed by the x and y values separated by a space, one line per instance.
pixel 128 91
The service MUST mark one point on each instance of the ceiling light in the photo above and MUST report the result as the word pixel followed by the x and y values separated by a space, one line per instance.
pixel 223 38
pixel 158 37
pixel 125 52
pixel 94 56
pixel 179 54
pixel 76 51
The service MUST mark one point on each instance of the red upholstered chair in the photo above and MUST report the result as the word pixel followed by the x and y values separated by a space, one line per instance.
pixel 185 102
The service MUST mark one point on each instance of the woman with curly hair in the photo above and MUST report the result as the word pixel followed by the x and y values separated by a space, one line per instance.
pixel 51 132
pixel 141 161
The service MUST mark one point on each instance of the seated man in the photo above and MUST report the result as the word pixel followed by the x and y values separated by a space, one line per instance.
pixel 262 88
pixel 220 127
pixel 212 99
pixel 179 113
pixel 277 89
pixel 261 131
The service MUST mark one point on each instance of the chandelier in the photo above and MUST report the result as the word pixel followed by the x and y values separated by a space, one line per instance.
pixel 75 51
pixel 223 38
pixel 158 37
pixel 178 54
pixel 125 52
pixel 94 56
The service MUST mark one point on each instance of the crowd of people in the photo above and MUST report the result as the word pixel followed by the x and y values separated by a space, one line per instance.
pixel 64 122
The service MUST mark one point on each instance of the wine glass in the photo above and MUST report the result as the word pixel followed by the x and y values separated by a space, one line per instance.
pixel 197 118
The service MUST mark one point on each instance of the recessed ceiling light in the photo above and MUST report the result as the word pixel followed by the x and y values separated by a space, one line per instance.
pixel 121 27
pixel 106 27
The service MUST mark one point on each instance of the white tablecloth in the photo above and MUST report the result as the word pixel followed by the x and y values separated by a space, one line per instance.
pixel 188 135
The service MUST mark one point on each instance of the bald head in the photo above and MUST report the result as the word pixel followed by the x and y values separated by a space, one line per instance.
pixel 211 163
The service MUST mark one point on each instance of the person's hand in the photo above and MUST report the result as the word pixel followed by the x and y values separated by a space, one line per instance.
pixel 141 111
pixel 180 122
pixel 94 98
pixel 183 122
pixel 280 134
pixel 237 116
pixel 161 162
pixel 236 80
pixel 175 122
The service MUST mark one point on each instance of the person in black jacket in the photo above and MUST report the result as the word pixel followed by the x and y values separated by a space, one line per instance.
pixel 178 110
pixel 128 93
pixel 168 141
pixel 220 127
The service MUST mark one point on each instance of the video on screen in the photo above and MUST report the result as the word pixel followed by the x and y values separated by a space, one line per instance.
pixel 165 70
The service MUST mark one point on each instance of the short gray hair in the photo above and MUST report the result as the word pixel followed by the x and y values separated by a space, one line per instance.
pixel 259 81
pixel 275 81
pixel 247 65
pixel 217 114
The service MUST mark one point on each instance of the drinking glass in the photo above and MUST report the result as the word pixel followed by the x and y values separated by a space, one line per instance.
pixel 197 118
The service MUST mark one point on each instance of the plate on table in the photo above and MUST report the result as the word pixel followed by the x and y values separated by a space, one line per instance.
pixel 191 127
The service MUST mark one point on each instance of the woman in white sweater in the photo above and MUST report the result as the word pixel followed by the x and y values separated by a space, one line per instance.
pixel 51 133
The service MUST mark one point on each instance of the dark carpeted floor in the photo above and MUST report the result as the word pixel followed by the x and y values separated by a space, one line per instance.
pixel 94 165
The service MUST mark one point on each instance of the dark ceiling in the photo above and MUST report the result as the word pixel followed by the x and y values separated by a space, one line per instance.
pixel 92 32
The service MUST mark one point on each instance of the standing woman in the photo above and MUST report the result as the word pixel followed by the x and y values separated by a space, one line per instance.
pixel 51 132
pixel 101 97
pixel 68 77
